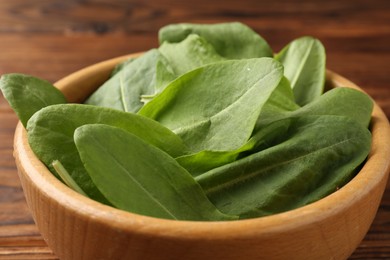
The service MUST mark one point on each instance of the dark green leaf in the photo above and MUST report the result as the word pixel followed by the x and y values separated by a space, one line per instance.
pixel 140 178
pixel 200 162
pixel 318 155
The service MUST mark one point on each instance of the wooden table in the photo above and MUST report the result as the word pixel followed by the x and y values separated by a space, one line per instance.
pixel 52 38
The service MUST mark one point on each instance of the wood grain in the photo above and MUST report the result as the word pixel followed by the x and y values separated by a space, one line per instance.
pixel 52 38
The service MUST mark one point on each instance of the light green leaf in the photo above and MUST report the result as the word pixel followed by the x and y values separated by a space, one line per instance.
pixel 231 40
pixel 180 58
pixel 66 178
pixel 192 52
pixel 140 178
pixel 280 101
pixel 27 94
pixel 304 65
pixel 204 105
pixel 121 65
pixel 164 75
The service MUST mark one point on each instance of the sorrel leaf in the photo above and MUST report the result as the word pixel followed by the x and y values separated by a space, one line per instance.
pixel 280 101
pixel 192 52
pixel 50 134
pixel 199 163
pixel 204 105
pixel 257 139
pixel 124 89
pixel 140 178
pixel 318 155
pixel 304 65
pixel 231 40
pixel 121 65
pixel 339 101
pixel 27 94
pixel 343 102
pixel 66 178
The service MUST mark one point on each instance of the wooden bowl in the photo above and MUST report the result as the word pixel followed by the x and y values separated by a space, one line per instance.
pixel 76 227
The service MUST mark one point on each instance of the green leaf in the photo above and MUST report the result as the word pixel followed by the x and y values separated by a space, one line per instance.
pixel 180 58
pixel 204 105
pixel 231 40
pixel 123 91
pixel 27 94
pixel 199 163
pixel 280 101
pixel 164 75
pixel 121 65
pixel 140 178
pixel 318 155
pixel 66 178
pixel 192 52
pixel 342 102
pixel 304 65
pixel 338 101
pixel 50 134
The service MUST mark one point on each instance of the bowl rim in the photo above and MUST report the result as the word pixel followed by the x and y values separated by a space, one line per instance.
pixel 374 171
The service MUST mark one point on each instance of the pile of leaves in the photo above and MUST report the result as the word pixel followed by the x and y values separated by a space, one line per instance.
pixel 211 125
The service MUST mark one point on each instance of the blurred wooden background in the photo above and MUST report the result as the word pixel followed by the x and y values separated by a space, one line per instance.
pixel 52 38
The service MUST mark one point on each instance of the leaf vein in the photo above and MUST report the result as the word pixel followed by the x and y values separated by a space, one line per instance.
pixel 121 166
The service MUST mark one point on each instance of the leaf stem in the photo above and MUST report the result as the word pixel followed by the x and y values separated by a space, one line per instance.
pixel 66 178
